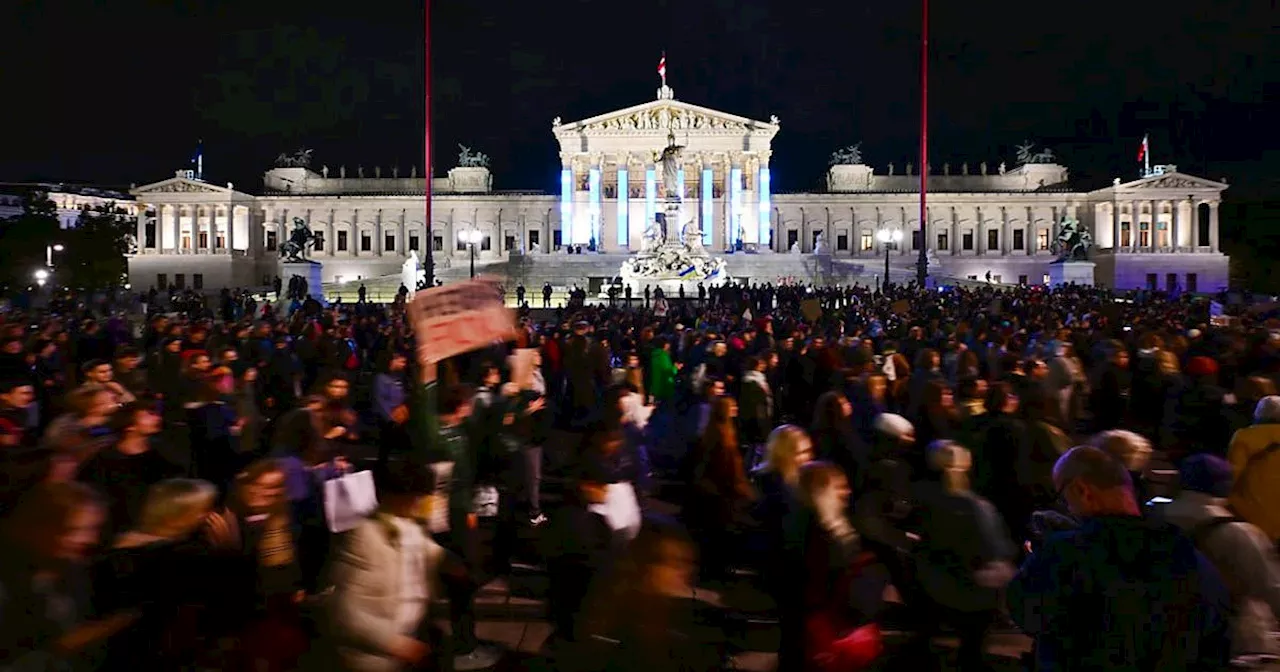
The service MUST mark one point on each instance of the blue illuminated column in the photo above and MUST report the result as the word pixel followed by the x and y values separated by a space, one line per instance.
pixel 650 197
pixel 766 207
pixel 708 214
pixel 593 207
pixel 624 207
pixel 735 200
pixel 680 183
pixel 566 207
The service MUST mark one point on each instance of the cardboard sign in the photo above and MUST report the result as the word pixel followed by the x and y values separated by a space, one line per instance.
pixel 460 317
pixel 811 309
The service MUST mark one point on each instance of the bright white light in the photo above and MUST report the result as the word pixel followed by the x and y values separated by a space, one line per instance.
pixel 41 275
pixel 128 286
pixel 470 236
pixel 889 235
pixel 59 247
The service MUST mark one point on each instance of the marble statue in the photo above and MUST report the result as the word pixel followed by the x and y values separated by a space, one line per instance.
pixel 670 159
pixel 1002 169
pixel 909 167
pixel 1024 152
pixel 395 170
pixel 773 119
pixel 409 270
pixel 377 172
pixel 413 170
pixel 964 168
pixel 470 159
pixel 342 172
pixel 946 169
pixel 891 168
pixel 847 156
pixel 982 167
pixel 555 123
pixel 360 171
pixel 299 159
pixel 324 171
pixel 819 244
pixel 795 247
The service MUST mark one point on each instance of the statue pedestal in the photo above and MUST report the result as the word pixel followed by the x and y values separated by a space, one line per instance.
pixel 307 270
pixel 1071 273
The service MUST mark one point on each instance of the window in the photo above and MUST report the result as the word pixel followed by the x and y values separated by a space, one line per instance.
pixel 319 245
pixel 342 241
pixel 180 280
pixel 437 243
pixel 220 241
pixel 1125 235
pixel 149 235
pixel 864 241
pixel 413 242
pixel 1193 283
pixel 842 242
pixel 533 238
pixel 197 280
pixel 1170 281
pixel 1044 280
pixel 993 240
pixel 204 239
pixel 1151 281
pixel 915 239
pixel 388 243
pixel 997 279
pixel 186 241
pixel 272 241
pixel 460 246
pixel 966 241
pixel 1022 280
pixel 486 243
pixel 162 281
pixel 366 242
pixel 508 242
pixel 557 238
pixel 1144 235
pixel 1042 239
pixel 1019 242
pixel 944 241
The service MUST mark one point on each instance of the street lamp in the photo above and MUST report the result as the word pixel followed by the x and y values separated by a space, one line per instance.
pixel 888 238
pixel 42 276
pixel 471 237
pixel 48 253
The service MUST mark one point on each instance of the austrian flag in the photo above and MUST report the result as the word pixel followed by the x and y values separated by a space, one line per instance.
pixel 662 67
pixel 1143 149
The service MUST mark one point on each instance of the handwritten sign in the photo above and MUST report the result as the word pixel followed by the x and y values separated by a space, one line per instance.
pixel 460 317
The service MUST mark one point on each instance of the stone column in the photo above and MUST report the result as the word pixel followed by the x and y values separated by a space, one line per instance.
pixel 403 233
pixel 1175 224
pixel 954 242
pixel 331 233
pixel 377 233
pixel 211 214
pixel 231 229
pixel 175 226
pixel 1115 226
pixel 142 228
pixel 353 242
pixel 1030 232
pixel 980 232
pixel 905 245
pixel 1135 225
pixel 1213 226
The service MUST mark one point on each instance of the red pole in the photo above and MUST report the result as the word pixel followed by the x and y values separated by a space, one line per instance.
pixel 428 263
pixel 922 259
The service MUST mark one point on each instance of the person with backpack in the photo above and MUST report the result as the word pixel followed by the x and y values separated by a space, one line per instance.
pixel 1239 550
pixel 1254 455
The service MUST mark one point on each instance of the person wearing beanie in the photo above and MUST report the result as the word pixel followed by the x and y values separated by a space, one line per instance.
pixel 1255 466
pixel 1240 551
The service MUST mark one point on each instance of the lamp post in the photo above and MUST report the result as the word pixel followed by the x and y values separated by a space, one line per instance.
pixel 41 276
pixel 471 237
pixel 888 238
pixel 48 253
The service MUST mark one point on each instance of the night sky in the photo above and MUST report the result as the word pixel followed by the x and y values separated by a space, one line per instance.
pixel 119 92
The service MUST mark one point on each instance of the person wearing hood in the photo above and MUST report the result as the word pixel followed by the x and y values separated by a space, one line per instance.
pixel 1256 495
pixel 1163 606
pixel 1239 550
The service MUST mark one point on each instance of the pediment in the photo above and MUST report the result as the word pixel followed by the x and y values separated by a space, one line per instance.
pixel 179 185
pixel 666 115
pixel 1180 181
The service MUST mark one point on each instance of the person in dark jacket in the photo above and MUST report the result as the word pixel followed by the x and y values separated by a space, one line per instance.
pixel 1161 604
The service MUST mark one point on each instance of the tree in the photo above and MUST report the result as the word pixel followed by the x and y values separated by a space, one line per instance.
pixel 94 254
pixel 24 238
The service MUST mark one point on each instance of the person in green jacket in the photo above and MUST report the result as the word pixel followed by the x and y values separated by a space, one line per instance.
pixel 662 372
pixel 439 423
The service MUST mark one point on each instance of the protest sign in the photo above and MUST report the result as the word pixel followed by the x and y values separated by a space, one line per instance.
pixel 811 309
pixel 460 317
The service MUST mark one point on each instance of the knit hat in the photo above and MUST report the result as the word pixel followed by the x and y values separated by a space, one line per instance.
pixel 1207 474
pixel 1202 366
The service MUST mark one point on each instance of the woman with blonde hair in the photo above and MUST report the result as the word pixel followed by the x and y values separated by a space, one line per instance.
pixel 778 481
pixel 963 557
pixel 719 492
pixel 159 567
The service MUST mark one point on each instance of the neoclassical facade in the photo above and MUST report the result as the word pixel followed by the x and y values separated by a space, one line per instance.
pixel 1157 231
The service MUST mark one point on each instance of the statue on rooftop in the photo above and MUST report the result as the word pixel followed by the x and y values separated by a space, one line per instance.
pixel 847 156
pixel 470 159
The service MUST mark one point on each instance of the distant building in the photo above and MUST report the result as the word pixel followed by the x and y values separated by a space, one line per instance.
pixel 70 199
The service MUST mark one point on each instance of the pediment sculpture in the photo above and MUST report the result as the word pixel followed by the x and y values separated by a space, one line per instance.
pixel 1026 154
pixel 182 187
pixel 665 118
pixel 847 156
pixel 1173 182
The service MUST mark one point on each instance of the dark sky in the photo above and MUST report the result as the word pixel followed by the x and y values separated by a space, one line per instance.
pixel 118 92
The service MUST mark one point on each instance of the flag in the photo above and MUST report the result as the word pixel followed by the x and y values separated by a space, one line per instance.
pixel 197 160
pixel 1143 148
pixel 662 67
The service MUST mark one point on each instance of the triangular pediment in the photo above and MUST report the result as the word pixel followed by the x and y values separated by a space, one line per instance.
pixel 1173 180
pixel 179 185
pixel 666 115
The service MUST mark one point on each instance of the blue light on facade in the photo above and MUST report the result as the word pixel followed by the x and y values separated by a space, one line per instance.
pixel 766 208
pixel 650 197
pixel 624 208
pixel 680 183
pixel 708 214
pixel 566 206
pixel 593 207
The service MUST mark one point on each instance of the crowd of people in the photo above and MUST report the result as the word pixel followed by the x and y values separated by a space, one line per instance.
pixel 167 494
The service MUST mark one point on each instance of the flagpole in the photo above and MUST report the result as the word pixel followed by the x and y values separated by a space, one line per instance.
pixel 428 260
pixel 922 259
pixel 1146 155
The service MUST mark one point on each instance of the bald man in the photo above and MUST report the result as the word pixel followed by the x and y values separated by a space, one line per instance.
pixel 1120 592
